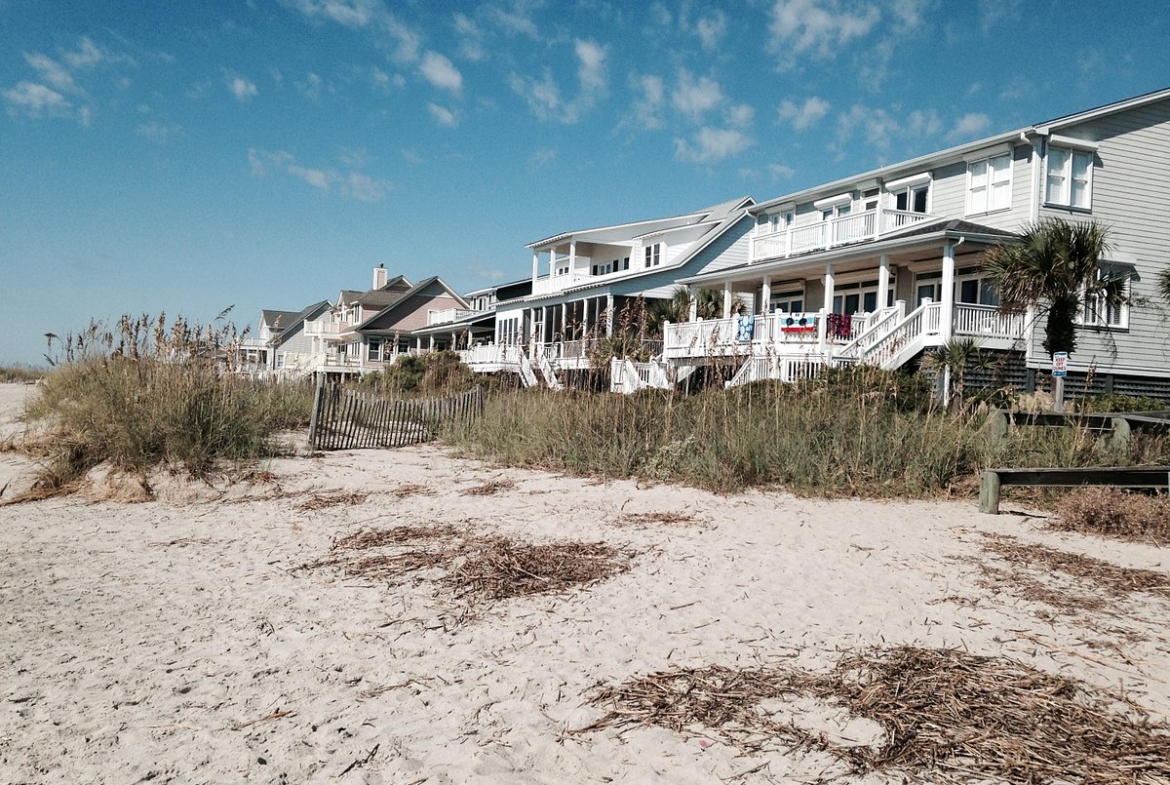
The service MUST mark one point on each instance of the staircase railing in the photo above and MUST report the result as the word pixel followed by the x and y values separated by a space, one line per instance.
pixel 527 375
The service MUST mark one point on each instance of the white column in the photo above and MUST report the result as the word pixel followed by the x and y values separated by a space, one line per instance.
pixel 694 314
pixel 609 316
pixel 766 295
pixel 829 283
pixel 535 266
pixel 883 280
pixel 585 318
pixel 564 331
pixel 544 325
pixel 946 315
pixel 572 257
pixel 727 300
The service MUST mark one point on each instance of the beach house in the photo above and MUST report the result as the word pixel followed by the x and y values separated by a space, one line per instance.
pixel 881 266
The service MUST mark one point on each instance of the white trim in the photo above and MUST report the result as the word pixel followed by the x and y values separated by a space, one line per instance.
pixel 1077 144
pixel 988 152
pixel 908 182
pixel 834 201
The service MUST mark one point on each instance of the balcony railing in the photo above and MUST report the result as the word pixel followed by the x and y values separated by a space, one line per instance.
pixel 449 315
pixel 326 327
pixel 843 230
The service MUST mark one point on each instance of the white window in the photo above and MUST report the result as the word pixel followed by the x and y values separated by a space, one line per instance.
pixel 1100 313
pixel 653 255
pixel 563 270
pixel 989 184
pixel 1070 178
pixel 788 302
pixel 913 199
pixel 375 350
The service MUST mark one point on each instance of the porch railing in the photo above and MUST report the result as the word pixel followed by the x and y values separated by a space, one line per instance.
pixel 988 321
pixel 842 230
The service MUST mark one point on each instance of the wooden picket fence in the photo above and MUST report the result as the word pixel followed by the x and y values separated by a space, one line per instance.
pixel 346 419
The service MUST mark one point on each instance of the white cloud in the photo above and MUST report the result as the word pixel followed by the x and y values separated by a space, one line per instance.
pixel 311 86
pixel 440 72
pixel 157 132
pixel 386 82
pixel 86 56
pixel 51 71
pixel 351 13
pixel 876 126
pixel 542 157
pixel 648 106
pixel 694 98
pixel 591 68
pixel 808 114
pixel 818 27
pixel 240 87
pixel 351 185
pixel 711 30
pixel 780 171
pixel 470 38
pixel 969 125
pixel 544 96
pixel 36 100
pixel 994 12
pixel 517 20
pixel 443 116
pixel 923 123
pixel 711 145
pixel 741 115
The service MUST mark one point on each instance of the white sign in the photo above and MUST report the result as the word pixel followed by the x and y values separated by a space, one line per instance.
pixel 1060 363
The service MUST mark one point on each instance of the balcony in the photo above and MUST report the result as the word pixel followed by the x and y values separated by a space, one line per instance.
pixel 326 327
pixel 448 315
pixel 843 230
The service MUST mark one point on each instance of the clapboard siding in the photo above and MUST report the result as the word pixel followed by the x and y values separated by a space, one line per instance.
pixel 1130 196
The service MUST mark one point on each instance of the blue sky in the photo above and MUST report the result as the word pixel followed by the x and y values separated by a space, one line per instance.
pixel 184 157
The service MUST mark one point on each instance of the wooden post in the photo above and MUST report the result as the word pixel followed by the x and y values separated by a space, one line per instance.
pixel 315 419
pixel 1120 440
pixel 997 426
pixel 989 493
pixel 1058 394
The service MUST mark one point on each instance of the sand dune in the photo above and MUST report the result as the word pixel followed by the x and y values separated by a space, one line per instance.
pixel 171 642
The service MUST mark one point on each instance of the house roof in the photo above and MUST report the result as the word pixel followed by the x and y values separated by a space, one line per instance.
pixel 299 318
pixel 634 229
pixel 724 216
pixel 481 319
pixel 384 295
pixel 277 320
pixel 383 319
pixel 914 165
pixel 919 235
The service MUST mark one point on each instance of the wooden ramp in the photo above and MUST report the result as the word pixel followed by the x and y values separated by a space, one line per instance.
pixel 346 419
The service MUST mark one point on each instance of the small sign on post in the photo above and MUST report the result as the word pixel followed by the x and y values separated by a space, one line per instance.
pixel 1059 371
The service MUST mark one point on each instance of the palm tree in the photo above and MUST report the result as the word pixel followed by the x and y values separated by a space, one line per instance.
pixel 1055 267
pixel 708 305
pixel 1164 285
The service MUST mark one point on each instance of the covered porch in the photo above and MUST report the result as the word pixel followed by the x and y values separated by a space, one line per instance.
pixel 881 304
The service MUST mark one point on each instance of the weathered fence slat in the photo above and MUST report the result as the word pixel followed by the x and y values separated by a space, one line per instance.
pixel 347 419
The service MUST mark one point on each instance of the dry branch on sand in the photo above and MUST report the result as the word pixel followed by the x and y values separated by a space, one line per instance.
pixel 479 568
pixel 1117 581
pixel 656 518
pixel 321 500
pixel 947 716
pixel 490 488
pixel 411 489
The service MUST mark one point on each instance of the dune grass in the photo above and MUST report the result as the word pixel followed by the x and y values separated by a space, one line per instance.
pixel 148 393
pixel 853 432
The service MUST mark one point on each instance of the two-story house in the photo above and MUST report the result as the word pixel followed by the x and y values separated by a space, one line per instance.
pixel 584 280
pixel 877 267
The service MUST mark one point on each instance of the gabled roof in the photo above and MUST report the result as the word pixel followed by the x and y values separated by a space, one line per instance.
pixel 434 284
pixel 915 165
pixel 299 319
pixel 276 321
pixel 384 295
pixel 635 229
pixel 728 214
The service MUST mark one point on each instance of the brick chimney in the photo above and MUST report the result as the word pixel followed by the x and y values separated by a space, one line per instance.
pixel 379 276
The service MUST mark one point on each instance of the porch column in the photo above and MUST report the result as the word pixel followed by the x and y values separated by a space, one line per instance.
pixel 585 318
pixel 694 313
pixel 572 257
pixel 544 325
pixel 947 312
pixel 727 300
pixel 883 281
pixel 535 265
pixel 609 316
pixel 564 322
pixel 431 342
pixel 830 281
pixel 766 295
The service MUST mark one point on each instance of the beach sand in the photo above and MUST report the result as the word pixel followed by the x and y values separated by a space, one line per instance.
pixel 174 641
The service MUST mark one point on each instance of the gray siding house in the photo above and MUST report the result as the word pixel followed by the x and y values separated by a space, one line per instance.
pixel 881 266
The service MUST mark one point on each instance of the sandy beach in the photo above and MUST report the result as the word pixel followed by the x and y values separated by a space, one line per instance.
pixel 177 641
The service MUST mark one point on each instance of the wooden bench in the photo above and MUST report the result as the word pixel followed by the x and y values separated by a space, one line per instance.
pixel 1130 477
pixel 1116 425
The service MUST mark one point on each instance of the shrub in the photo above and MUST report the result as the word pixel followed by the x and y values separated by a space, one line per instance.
pixel 437 373
pixel 1115 513
pixel 1112 402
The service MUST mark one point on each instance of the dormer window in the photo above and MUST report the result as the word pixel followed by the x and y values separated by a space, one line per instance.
pixel 911 194
pixel 653 255
pixel 834 206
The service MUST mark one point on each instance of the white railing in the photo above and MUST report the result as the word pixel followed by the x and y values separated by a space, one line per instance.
pixel 843 230
pixel 491 354
pixel 326 326
pixel 527 375
pixel 449 315
pixel 550 376
pixel 876 327
pixel 987 321
pixel 783 368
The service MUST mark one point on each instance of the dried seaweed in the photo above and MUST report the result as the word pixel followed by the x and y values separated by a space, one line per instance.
pixel 321 500
pixel 500 568
pixel 656 518
pixel 490 488
pixel 1118 581
pixel 948 716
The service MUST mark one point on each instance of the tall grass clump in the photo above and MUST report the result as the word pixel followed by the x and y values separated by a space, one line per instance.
pixel 433 374
pixel 19 374
pixel 859 431
pixel 148 393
